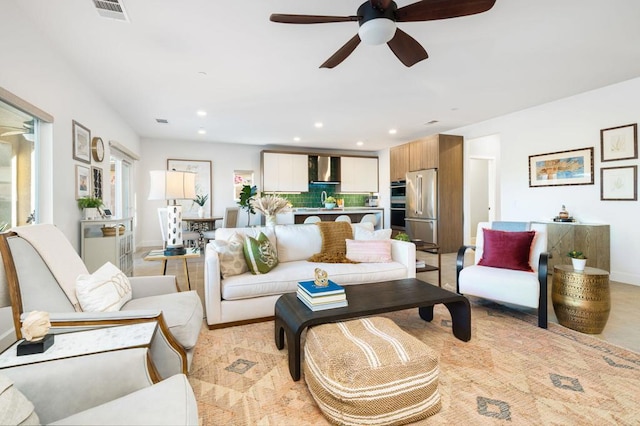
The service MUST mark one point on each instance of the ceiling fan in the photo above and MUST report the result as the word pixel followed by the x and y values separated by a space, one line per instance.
pixel 377 20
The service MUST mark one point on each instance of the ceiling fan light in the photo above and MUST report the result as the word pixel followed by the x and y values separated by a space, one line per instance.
pixel 377 31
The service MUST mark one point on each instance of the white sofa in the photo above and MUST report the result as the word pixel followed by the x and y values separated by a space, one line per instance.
pixel 246 297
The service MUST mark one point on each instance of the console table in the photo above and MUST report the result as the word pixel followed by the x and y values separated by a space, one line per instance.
pixel 590 238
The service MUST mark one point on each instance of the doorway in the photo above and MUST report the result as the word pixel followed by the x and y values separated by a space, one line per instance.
pixel 482 193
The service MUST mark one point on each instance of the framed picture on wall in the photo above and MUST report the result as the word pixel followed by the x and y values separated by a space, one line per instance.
pixel 83 182
pixel 81 143
pixel 619 183
pixel 619 143
pixel 573 167
pixel 204 183
pixel 96 180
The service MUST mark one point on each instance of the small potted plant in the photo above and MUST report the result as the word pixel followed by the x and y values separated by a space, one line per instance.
pixel 90 207
pixel 578 259
pixel 201 200
pixel 329 202
pixel 247 194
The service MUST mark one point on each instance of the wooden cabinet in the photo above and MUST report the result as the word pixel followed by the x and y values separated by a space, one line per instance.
pixel 445 154
pixel 423 153
pixel 282 172
pixel 96 249
pixel 399 162
pixel 591 239
pixel 358 174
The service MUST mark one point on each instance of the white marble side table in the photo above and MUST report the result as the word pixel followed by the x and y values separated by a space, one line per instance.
pixel 106 339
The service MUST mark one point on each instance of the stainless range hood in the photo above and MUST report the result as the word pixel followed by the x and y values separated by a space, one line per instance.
pixel 324 170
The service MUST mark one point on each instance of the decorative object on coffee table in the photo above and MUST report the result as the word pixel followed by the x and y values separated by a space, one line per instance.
pixel 321 277
pixel 581 299
pixel 369 371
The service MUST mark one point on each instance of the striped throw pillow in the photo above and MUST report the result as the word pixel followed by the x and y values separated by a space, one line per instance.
pixel 369 251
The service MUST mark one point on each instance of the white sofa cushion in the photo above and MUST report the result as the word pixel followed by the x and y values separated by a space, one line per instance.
pixel 106 290
pixel 182 312
pixel 298 242
pixel 504 285
pixel 284 278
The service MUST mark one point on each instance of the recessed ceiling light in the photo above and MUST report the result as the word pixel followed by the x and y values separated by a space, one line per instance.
pixel 359 143
pixel 392 131
pixel 202 113
pixel 202 132
pixel 296 139
pixel 318 125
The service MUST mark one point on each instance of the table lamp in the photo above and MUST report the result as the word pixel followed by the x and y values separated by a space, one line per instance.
pixel 172 185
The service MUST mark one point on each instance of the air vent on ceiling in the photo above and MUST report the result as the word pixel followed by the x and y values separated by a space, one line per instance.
pixel 162 121
pixel 428 123
pixel 113 9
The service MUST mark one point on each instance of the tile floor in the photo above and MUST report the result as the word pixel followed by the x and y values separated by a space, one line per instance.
pixel 621 328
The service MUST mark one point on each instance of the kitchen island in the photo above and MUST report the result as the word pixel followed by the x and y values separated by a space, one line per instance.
pixel 355 213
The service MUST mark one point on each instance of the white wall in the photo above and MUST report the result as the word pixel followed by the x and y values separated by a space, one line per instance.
pixel 566 124
pixel 225 158
pixel 34 71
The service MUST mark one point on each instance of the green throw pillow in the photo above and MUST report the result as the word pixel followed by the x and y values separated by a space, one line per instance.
pixel 260 255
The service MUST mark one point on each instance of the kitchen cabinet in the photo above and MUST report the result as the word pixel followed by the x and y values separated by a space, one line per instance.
pixel 283 172
pixel 399 162
pixel 359 174
pixel 445 154
pixel 423 153
pixel 96 249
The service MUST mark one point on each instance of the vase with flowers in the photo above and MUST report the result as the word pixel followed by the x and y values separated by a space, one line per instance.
pixel 270 206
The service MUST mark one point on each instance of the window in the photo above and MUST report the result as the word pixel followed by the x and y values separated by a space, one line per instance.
pixel 18 166
pixel 121 182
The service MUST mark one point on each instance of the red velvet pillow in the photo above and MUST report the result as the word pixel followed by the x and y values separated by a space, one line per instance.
pixel 508 250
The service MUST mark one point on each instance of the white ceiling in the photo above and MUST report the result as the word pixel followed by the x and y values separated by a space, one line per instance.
pixel 263 84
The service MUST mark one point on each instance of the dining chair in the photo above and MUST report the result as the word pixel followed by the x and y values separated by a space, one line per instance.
pixel 343 218
pixel 312 219
pixel 369 217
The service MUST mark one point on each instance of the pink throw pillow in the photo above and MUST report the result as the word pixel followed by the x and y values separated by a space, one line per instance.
pixel 369 251
pixel 507 250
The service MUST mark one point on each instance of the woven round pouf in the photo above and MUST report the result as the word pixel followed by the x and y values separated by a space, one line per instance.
pixel 369 371
pixel 581 299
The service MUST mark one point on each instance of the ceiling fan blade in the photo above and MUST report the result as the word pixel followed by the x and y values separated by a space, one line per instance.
pixel 309 19
pixel 342 53
pixel 406 48
pixel 429 10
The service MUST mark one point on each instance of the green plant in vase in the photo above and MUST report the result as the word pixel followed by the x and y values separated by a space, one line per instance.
pixel 578 259
pixel 90 207
pixel 329 202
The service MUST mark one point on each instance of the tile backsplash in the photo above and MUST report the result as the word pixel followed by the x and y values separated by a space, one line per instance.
pixel 312 198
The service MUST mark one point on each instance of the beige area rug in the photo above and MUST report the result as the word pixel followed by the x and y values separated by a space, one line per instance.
pixel 510 373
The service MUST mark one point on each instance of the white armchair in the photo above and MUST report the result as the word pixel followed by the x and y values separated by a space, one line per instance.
pixel 518 287
pixel 41 280
pixel 113 388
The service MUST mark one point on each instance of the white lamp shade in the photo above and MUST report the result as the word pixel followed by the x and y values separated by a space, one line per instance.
pixel 377 31
pixel 172 185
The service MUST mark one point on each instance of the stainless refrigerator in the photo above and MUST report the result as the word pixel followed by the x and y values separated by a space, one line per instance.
pixel 421 217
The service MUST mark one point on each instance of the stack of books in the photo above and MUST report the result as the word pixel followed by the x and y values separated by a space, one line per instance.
pixel 320 298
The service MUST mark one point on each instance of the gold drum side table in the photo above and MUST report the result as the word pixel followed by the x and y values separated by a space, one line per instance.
pixel 581 299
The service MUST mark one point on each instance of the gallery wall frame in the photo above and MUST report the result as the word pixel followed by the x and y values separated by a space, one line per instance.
pixel 619 143
pixel 81 142
pixel 96 181
pixel 619 183
pixel 573 167
pixel 83 181
pixel 204 183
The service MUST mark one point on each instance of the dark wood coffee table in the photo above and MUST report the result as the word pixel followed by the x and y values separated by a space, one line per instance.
pixel 292 316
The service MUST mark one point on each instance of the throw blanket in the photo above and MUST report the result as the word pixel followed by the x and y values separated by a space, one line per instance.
pixel 59 255
pixel 334 246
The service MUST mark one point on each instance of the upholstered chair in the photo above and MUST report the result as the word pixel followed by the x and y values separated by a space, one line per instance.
pixel 508 267
pixel 42 268
pixel 109 388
